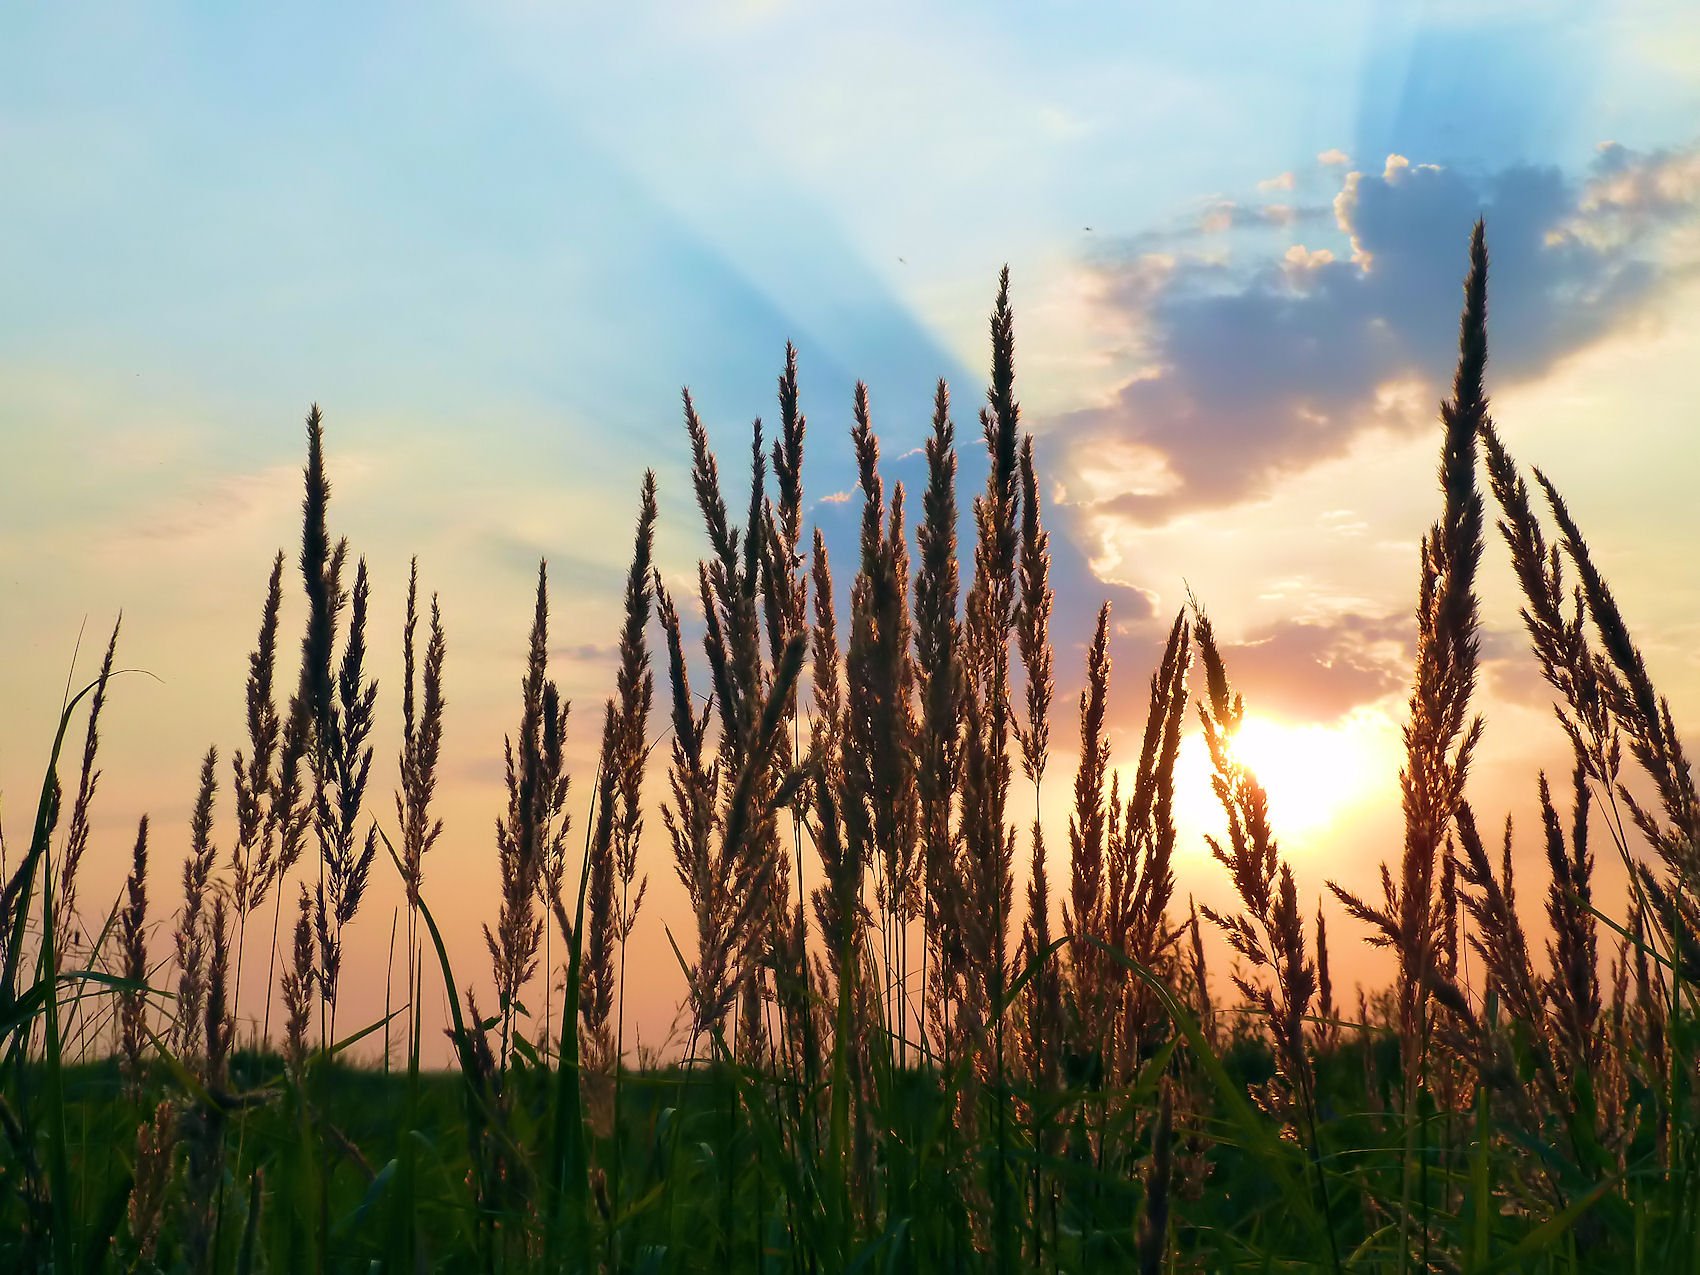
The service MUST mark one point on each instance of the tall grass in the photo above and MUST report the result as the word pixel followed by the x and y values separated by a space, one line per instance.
pixel 891 1064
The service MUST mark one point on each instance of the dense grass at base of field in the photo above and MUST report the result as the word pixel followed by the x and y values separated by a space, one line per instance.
pixel 674 1205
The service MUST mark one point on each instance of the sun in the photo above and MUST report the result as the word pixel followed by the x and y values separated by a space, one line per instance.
pixel 1314 773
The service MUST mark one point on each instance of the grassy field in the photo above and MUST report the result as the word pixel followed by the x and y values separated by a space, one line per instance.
pixel 681 1210
pixel 904 1066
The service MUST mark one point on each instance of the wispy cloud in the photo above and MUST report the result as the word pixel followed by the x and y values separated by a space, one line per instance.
pixel 1262 360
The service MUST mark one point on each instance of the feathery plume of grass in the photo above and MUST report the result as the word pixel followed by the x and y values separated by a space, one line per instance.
pixel 1140 850
pixel 133 963
pixel 1654 1011
pixel 298 982
pixel 1567 660
pixel 721 850
pixel 220 1026
pixel 291 814
pixel 156 1144
pixel 1043 1011
pixel 1039 1041
pixel 837 903
pixel 1268 933
pixel 252 776
pixel 1328 1016
pixel 1559 640
pixel 321 574
pixel 879 802
pixel 191 939
pixel 532 834
pixel 1573 987
pixel 784 587
pixel 784 581
pixel 338 703
pixel 1498 937
pixel 1033 625
pixel 1640 711
pixel 1121 881
pixel 691 819
pixel 1086 915
pixel 1200 972
pixel 1608 696
pixel 613 854
pixel 422 705
pixel 77 833
pixel 939 687
pixel 987 842
pixel 1042 1020
pixel 729 583
pixel 1440 738
pixel 730 889
pixel 728 596
pixel 204 1121
pixel 1615 1110
pixel 253 779
pixel 596 1004
pixel 347 861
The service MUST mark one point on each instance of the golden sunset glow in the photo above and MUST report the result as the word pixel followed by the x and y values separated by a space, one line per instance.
pixel 1315 774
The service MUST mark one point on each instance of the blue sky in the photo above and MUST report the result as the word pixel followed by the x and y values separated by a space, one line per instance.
pixel 494 241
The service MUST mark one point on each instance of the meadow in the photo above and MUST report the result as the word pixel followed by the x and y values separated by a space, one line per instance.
pixel 895 1061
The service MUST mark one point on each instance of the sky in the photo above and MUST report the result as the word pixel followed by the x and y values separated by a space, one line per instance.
pixel 493 241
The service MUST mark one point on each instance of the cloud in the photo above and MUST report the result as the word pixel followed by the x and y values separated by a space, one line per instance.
pixel 594 652
pixel 1282 181
pixel 212 508
pixel 1311 671
pixel 1321 669
pixel 1631 195
pixel 1512 673
pixel 1218 216
pixel 1333 157
pixel 1264 363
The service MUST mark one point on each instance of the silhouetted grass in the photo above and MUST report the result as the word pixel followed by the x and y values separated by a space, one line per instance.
pixel 889 1068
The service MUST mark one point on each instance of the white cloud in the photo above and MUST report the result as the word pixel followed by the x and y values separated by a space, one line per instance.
pixel 1300 260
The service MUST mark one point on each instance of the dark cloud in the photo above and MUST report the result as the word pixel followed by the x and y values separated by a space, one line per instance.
pixel 1266 369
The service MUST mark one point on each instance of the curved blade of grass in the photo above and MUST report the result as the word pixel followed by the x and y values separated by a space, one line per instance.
pixel 359 1036
pixel 59 1164
pixel 35 999
pixel 45 814
pixel 374 1192
pixel 461 1040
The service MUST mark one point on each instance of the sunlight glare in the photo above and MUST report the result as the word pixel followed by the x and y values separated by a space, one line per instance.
pixel 1314 773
